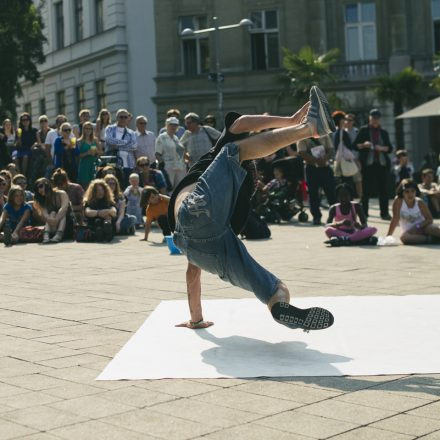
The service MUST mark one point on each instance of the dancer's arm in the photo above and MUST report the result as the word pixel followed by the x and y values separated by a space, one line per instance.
pixel 247 123
pixel 194 288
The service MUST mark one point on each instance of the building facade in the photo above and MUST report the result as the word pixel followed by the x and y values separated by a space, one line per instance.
pixel 99 54
pixel 375 37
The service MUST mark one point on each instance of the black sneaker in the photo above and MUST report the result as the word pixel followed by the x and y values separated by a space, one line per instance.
pixel 293 317
pixel 7 235
pixel 317 221
pixel 107 231
pixel 319 112
pixel 385 217
pixel 99 234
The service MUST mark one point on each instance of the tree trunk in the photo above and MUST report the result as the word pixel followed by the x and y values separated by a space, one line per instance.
pixel 398 125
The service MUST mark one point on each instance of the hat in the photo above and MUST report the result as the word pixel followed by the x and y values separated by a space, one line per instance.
pixel 172 120
pixel 375 113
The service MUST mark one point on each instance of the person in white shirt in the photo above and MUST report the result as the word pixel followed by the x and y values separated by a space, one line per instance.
pixel 170 151
pixel 145 140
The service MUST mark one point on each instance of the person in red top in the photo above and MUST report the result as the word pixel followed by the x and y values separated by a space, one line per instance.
pixel 156 209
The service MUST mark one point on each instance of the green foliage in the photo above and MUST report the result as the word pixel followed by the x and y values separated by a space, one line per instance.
pixel 307 68
pixel 21 49
pixel 435 83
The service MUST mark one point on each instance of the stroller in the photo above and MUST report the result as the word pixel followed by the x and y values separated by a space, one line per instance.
pixel 283 203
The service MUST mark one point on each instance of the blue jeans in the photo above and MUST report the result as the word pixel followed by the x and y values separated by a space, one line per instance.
pixel 203 232
pixel 127 223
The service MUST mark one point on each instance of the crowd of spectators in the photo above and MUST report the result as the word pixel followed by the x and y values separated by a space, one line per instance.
pixel 99 178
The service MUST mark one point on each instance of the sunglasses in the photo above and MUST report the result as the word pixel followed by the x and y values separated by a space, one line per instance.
pixel 144 164
pixel 44 120
pixel 41 186
pixel 111 182
pixel 21 182
pixel 3 183
pixel 24 119
pixel 122 117
pixel 67 130
pixel 142 123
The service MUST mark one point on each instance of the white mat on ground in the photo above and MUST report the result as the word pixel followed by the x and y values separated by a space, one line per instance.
pixel 372 335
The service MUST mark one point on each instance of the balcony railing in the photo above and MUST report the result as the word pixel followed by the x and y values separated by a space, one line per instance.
pixel 360 70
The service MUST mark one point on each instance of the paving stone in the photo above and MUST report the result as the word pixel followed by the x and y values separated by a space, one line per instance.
pixel 413 386
pixel 9 430
pixel 137 396
pixel 181 388
pixel 409 424
pixel 28 399
pixel 433 436
pixel 431 411
pixel 367 433
pixel 35 382
pixel 72 390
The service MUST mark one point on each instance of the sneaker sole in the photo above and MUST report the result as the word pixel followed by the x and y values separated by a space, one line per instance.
pixel 7 235
pixel 323 111
pixel 293 317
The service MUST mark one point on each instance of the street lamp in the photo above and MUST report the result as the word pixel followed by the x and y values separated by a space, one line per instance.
pixel 188 32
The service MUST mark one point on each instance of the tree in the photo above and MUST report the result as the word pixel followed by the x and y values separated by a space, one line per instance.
pixel 404 89
pixel 435 83
pixel 307 68
pixel 21 50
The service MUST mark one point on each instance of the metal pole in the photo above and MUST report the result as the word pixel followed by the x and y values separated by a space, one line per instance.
pixel 218 72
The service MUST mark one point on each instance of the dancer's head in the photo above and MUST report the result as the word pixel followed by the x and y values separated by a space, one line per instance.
pixel 344 193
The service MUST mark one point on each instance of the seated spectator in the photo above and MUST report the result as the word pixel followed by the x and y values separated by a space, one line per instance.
pixel 413 215
pixel 430 192
pixel 278 183
pixel 403 169
pixel 125 223
pixel 343 226
pixel 52 206
pixel 171 153
pixel 8 178
pixel 156 209
pixel 149 176
pixel 12 168
pixel 74 191
pixel 89 151
pixel 67 152
pixel 16 214
pixel 100 210
pixel 3 196
pixel 21 181
pixel 133 197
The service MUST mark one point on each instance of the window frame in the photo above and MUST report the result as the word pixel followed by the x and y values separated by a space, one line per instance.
pixel 359 25
pixel 99 16
pixel 42 106
pixel 61 103
pixel 100 94
pixel 265 31
pixel 435 22
pixel 59 25
pixel 78 19
pixel 80 102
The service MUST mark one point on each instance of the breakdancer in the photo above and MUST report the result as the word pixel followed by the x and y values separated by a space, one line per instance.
pixel 210 206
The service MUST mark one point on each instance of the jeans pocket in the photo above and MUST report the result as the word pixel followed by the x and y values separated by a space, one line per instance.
pixel 207 261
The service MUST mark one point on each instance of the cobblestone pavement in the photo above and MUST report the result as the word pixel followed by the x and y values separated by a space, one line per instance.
pixel 66 310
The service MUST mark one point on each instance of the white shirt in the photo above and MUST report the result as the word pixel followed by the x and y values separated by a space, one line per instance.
pixel 410 217
pixel 146 145
pixel 171 150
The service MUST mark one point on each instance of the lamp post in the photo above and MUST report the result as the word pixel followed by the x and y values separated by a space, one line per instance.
pixel 246 23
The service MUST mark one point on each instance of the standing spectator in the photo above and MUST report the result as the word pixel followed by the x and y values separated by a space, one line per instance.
pixel 344 150
pixel 74 191
pixel 12 168
pixel 52 205
pixel 403 169
pixel 197 140
pixel 67 152
pixel 88 155
pixel 209 121
pixel 125 223
pixel 100 210
pixel 16 214
pixel 430 192
pixel 171 152
pixel 121 140
pixel 40 155
pixel 174 113
pixel 149 176
pixel 350 127
pixel 49 142
pixel 20 180
pixel 103 121
pixel 145 139
pixel 413 215
pixel 84 116
pixel 133 196
pixel 27 138
pixel 155 206
pixel 374 147
pixel 8 138
pixel 317 153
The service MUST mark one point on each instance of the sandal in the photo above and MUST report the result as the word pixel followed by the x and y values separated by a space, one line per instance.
pixel 46 237
pixel 57 237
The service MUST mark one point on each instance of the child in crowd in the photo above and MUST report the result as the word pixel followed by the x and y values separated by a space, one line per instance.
pixel 343 227
pixel 20 180
pixel 403 169
pixel 278 183
pixel 133 195
pixel 16 214
pixel 156 209
pixel 430 192
pixel 413 215
pixel 100 210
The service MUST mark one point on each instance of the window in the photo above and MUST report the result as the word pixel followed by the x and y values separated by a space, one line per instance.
pixel 78 22
pixel 101 96
pixel 360 31
pixel 99 16
pixel 27 107
pixel 42 106
pixel 80 98
pixel 195 49
pixel 436 20
pixel 59 25
pixel 264 40
pixel 61 102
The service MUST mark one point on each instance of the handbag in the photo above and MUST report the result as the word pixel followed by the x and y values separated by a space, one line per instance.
pixel 83 234
pixel 346 159
pixel 31 234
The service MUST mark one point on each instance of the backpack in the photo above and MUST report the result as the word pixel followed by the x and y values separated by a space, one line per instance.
pixel 255 228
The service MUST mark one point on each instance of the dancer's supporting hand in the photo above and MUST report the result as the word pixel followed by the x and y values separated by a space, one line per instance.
pixel 195 325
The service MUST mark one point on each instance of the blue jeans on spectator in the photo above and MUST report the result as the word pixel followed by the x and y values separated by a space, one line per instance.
pixel 320 177
pixel 128 224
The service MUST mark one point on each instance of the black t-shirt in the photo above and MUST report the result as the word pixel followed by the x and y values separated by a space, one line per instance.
pixel 243 204
pixel 99 204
